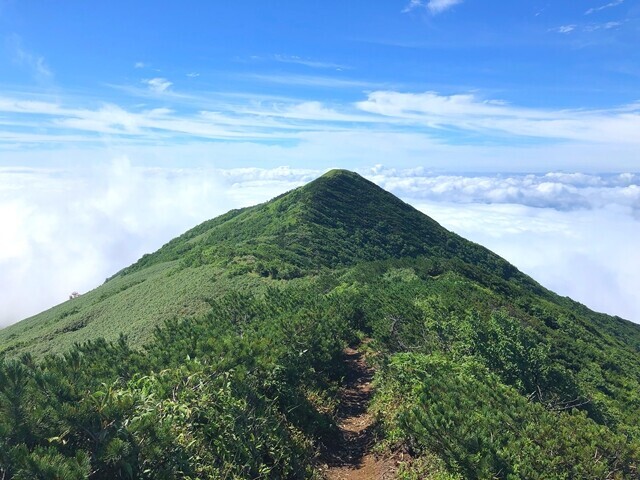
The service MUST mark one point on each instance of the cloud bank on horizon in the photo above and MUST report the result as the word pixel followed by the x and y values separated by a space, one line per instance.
pixel 468 108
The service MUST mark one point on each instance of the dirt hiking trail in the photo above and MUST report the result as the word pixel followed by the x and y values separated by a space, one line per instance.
pixel 350 456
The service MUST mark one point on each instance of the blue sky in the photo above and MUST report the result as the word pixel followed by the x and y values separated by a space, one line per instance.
pixel 518 82
pixel 511 50
pixel 517 124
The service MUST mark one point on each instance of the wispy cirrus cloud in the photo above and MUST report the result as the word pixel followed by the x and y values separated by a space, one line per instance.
pixel 434 6
pixel 592 27
pixel 158 84
pixel 565 28
pixel 409 125
pixel 615 3
pixel 307 62
pixel 314 81
pixel 117 121
pixel 467 112
pixel 312 111
pixel 23 57
pixel 413 4
pixel 438 6
pixel 232 121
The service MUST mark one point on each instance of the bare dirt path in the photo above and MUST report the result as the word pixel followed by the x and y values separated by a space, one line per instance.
pixel 350 457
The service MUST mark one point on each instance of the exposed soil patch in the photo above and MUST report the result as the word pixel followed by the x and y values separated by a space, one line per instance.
pixel 349 456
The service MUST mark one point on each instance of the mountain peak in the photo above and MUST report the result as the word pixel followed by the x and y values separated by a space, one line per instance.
pixel 341 179
pixel 341 174
pixel 338 172
pixel 338 219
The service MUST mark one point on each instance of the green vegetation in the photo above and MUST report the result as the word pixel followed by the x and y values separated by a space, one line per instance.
pixel 223 396
pixel 232 356
pixel 483 428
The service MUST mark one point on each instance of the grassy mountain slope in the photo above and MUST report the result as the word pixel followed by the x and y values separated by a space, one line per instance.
pixel 336 221
pixel 482 372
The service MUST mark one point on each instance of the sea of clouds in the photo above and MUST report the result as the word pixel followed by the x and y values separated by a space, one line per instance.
pixel 66 230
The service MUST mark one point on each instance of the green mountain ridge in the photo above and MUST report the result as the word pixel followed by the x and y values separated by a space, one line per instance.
pixel 296 234
pixel 481 371
pixel 376 225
